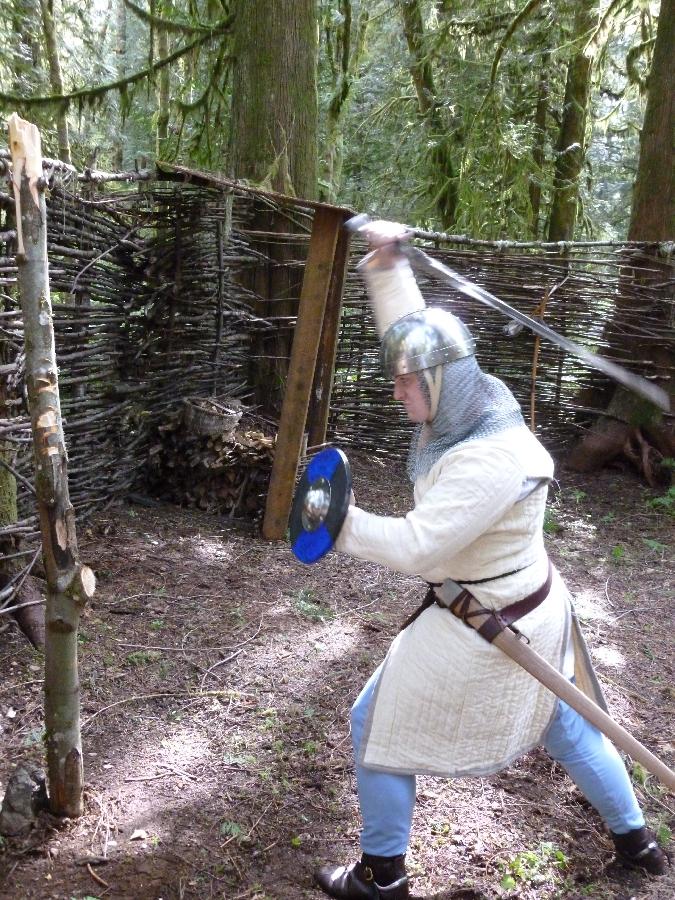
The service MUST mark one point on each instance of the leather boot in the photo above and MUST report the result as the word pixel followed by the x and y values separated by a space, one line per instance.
pixel 639 850
pixel 373 878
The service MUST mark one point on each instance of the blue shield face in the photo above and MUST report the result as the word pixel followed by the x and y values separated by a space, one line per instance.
pixel 320 505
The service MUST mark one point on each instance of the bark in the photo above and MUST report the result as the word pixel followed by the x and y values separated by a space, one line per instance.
pixel 121 71
pixel 69 583
pixel 632 427
pixel 55 77
pixel 653 209
pixel 274 144
pixel 163 95
pixel 571 146
pixel 26 57
pixel 274 109
pixel 350 41
pixel 444 187
pixel 539 143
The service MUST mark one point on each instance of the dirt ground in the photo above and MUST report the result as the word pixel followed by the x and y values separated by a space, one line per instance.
pixel 217 675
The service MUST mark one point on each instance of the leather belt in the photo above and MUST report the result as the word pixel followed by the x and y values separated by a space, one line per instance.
pixel 496 620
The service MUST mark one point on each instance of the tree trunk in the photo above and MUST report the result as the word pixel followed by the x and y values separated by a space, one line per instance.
pixel 539 143
pixel 25 28
pixel 444 187
pixel 274 145
pixel 633 427
pixel 571 147
pixel 274 107
pixel 51 45
pixel 69 583
pixel 121 70
pixel 163 95
pixel 350 43
pixel 653 211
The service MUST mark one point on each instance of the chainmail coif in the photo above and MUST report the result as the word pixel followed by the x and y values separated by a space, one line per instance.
pixel 471 405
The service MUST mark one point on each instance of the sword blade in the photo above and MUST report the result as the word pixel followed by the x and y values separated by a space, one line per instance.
pixel 636 383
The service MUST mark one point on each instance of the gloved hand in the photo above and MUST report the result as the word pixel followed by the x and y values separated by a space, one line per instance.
pixel 379 233
pixel 384 238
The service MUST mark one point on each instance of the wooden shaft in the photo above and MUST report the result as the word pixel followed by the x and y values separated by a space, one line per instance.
pixel 319 404
pixel 313 298
pixel 521 653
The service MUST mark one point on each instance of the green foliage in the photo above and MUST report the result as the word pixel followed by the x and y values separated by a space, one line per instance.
pixel 468 146
pixel 551 524
pixel 232 830
pixel 533 867
pixel 142 657
pixel 618 553
pixel 305 604
pixel 656 546
pixel 664 834
pixel 639 774
pixel 664 503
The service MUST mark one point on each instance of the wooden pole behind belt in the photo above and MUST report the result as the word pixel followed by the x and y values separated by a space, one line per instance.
pixel 532 662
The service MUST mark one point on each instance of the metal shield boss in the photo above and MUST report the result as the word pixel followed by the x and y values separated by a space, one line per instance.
pixel 320 505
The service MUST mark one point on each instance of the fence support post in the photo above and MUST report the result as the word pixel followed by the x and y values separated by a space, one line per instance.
pixel 69 583
pixel 319 403
pixel 314 296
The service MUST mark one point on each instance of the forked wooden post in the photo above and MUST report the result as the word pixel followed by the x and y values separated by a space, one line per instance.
pixel 69 583
pixel 314 297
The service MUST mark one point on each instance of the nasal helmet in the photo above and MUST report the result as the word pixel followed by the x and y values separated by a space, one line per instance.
pixel 423 339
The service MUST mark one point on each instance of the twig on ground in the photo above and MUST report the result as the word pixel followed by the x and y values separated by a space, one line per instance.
pixel 636 609
pixel 231 656
pixel 219 663
pixel 138 697
pixel 96 877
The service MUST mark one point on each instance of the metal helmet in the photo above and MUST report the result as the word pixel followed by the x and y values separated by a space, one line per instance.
pixel 423 339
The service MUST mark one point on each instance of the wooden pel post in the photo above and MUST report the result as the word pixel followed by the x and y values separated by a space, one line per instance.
pixel 314 295
pixel 69 583
pixel 325 370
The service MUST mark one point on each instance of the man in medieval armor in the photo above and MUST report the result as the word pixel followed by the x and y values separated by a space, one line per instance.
pixel 445 701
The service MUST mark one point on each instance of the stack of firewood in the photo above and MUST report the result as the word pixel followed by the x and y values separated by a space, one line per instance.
pixel 226 472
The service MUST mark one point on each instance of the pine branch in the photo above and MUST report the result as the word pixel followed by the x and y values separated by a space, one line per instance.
pixel 90 94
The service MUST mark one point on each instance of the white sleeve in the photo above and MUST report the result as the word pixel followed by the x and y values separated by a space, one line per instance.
pixel 472 492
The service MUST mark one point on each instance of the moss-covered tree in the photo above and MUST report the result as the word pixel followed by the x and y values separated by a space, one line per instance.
pixel 571 146
pixel 633 427
pixel 274 139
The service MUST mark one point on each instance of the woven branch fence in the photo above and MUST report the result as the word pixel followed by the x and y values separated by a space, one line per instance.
pixel 574 290
pixel 155 301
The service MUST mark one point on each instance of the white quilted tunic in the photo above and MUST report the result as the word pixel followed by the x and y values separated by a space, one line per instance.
pixel 447 702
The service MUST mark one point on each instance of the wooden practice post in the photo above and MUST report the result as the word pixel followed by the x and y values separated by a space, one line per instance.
pixel 314 296
pixel 319 403
pixel 69 583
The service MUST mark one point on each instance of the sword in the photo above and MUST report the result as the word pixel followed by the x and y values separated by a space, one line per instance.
pixel 636 383
pixel 521 653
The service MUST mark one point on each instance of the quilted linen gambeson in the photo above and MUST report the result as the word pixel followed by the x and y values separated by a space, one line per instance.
pixel 447 702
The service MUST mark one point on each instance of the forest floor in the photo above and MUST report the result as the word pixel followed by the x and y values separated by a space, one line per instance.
pixel 217 675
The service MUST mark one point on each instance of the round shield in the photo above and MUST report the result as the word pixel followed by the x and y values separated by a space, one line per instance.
pixel 320 505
